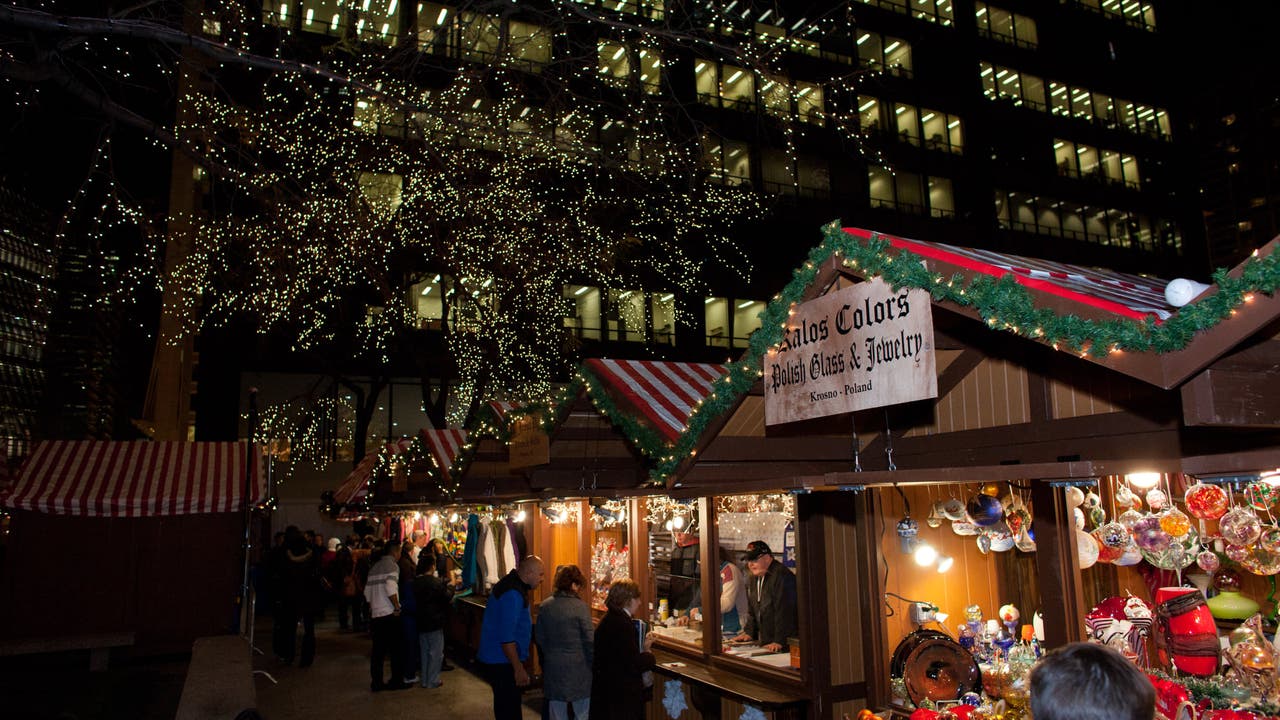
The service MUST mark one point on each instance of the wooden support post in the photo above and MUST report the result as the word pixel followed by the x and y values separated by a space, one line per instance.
pixel 1057 566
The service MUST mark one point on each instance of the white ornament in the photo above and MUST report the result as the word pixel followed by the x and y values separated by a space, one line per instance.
pixel 1182 291
pixel 673 699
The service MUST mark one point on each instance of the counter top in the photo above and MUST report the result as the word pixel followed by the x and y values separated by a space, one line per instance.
pixel 726 682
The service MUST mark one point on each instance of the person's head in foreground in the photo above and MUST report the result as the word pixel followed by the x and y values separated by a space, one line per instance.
pixel 1087 681
pixel 624 595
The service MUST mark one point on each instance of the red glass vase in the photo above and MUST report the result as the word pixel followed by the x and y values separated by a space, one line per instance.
pixel 1186 637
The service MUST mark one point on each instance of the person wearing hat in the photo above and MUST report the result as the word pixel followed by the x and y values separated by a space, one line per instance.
pixel 771 600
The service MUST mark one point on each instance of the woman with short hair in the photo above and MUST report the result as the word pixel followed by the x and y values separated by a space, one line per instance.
pixel 564 638
pixel 621 656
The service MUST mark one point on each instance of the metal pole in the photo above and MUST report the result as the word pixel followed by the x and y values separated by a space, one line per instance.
pixel 242 601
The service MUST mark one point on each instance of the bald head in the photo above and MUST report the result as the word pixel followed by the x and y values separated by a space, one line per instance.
pixel 531 571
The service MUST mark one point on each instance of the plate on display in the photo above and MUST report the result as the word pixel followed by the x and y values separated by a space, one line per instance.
pixel 935 667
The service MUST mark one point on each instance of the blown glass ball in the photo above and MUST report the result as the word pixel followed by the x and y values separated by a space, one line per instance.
pixel 984 510
pixel 1132 556
pixel 1129 518
pixel 1107 554
pixel 1175 522
pixel 1091 500
pixel 1208 561
pixel 1240 527
pixel 972 699
pixel 1227 580
pixel 1180 552
pixel 1261 495
pixel 1207 502
pixel 1149 536
pixel 991 490
pixel 1087 549
pixel 1078 515
pixel 1114 535
pixel 1124 497
pixel 1269 538
pixel 1236 553
pixel 1156 499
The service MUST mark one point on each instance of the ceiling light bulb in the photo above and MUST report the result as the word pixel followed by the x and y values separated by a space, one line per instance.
pixel 453 517
pixel 1143 480
pixel 520 516
pixel 677 522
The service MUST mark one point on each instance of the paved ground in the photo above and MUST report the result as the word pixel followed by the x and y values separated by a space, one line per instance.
pixel 60 687
pixel 336 686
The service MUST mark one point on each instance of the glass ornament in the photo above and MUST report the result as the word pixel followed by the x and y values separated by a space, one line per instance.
pixel 1175 522
pixel 1261 495
pixel 1240 526
pixel 991 490
pixel 1086 549
pixel 1178 554
pixel 1114 535
pixel 1129 518
pixel 1107 554
pixel 953 509
pixel 1227 580
pixel 1124 497
pixel 1156 499
pixel 1097 516
pixel 1132 556
pixel 1208 561
pixel 1091 500
pixel 1260 561
pixel 1149 536
pixel 984 543
pixel 1207 502
pixel 1077 516
pixel 984 510
pixel 1235 553
pixel 1001 542
pixel 935 516
pixel 1269 538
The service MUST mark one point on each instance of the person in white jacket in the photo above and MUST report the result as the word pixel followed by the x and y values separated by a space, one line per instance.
pixel 383 593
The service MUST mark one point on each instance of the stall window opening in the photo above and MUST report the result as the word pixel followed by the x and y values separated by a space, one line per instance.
pixel 675 568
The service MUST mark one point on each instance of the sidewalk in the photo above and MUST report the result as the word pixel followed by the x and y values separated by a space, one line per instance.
pixel 336 686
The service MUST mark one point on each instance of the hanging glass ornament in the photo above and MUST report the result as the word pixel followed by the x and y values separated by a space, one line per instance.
pixel 1208 561
pixel 1175 522
pixel 1156 499
pixel 1178 554
pixel 1269 538
pixel 1097 516
pixel 1077 516
pixel 1240 526
pixel 1207 502
pixel 984 510
pixel 1261 495
pixel 991 490
pixel 1114 535
pixel 935 516
pixel 1149 536
pixel 1236 553
pixel 1075 496
pixel 1086 549
pixel 1132 556
pixel 1092 500
pixel 1129 518
pixel 1124 497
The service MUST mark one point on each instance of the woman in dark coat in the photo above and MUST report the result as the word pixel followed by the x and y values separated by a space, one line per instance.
pixel 621 659
pixel 565 641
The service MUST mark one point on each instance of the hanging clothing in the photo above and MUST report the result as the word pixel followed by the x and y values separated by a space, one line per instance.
pixel 469 551
pixel 506 556
pixel 511 539
pixel 522 545
pixel 488 556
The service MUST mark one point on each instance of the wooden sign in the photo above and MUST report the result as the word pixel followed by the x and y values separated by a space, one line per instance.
pixel 861 347
pixel 529 446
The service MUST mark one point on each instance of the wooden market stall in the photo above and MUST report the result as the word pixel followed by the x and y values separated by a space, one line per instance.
pixel 154 534
pixel 1022 410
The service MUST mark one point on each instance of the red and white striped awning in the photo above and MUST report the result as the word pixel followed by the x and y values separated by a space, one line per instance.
pixel 501 409
pixel 1131 296
pixel 355 487
pixel 100 478
pixel 445 445
pixel 665 392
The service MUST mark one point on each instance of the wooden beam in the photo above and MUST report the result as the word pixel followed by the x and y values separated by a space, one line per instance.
pixel 1240 390
pixel 1265 459
pixel 1057 569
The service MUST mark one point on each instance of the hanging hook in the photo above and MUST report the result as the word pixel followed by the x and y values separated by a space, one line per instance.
pixel 857 444
pixel 888 441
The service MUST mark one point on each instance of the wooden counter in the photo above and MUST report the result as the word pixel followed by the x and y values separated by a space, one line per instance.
pixel 734 691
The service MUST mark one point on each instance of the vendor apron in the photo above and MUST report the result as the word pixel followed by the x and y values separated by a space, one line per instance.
pixel 1186 637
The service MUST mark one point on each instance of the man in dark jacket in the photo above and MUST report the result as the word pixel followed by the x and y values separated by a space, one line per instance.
pixel 771 600
pixel 432 598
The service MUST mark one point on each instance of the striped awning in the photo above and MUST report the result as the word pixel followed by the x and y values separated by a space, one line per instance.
pixel 445 445
pixel 355 487
pixel 100 478
pixel 664 392
pixel 1131 296
pixel 501 409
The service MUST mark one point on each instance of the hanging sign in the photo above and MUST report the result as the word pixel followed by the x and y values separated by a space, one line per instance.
pixel 529 446
pixel 862 347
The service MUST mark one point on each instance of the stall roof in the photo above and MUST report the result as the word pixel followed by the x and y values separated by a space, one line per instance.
pixel 661 394
pixel 100 478
pixel 355 488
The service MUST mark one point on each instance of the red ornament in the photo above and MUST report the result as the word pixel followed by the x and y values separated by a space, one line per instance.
pixel 923 714
pixel 1169 695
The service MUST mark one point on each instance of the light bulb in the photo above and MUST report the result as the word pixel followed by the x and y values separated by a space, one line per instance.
pixel 520 516
pixel 677 522
pixel 453 517
pixel 433 518
pixel 944 564
pixel 925 555
pixel 669 525
pixel 564 516
pixel 1143 480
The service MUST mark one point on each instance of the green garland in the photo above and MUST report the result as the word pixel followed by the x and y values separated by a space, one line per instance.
pixel 1001 302
pixel 1212 689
